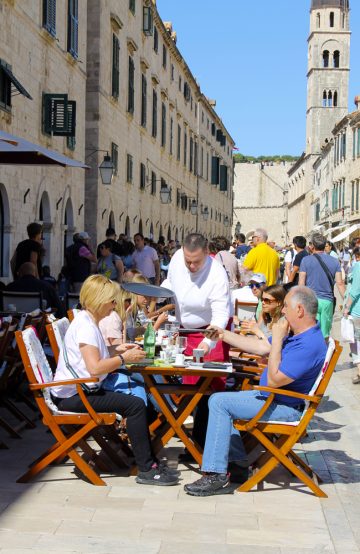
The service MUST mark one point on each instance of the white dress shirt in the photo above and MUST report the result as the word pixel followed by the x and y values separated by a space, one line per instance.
pixel 201 298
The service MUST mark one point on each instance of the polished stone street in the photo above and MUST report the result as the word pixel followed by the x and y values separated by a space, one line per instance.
pixel 61 514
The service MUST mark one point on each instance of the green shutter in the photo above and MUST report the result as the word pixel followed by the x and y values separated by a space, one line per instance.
pixel 223 178
pixel 73 27
pixel 115 67
pixel 59 115
pixel 49 16
pixel 215 170
pixel 131 89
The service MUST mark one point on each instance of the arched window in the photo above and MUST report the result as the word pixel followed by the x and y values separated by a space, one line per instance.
pixel 161 231
pixel 336 58
pixel 176 234
pixel 141 227
pixel 324 102
pixel 335 99
pixel 330 99
pixel 343 20
pixel 169 233
pixel 331 19
pixel 151 234
pixel 111 220
pixel 127 227
pixel 68 224
pixel 318 20
pixel 326 58
pixel 45 218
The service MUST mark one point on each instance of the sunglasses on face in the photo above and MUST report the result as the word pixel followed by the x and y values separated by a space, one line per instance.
pixel 256 285
pixel 268 300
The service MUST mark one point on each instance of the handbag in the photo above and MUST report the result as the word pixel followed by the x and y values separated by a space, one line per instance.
pixel 329 276
pixel 347 329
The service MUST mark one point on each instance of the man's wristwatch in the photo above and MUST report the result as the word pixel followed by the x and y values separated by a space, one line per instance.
pixel 122 359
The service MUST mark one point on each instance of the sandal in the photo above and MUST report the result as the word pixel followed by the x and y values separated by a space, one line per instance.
pixel 356 380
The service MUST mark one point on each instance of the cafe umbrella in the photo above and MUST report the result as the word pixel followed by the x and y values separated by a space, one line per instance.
pixel 18 151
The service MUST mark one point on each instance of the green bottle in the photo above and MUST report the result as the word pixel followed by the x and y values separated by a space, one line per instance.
pixel 149 341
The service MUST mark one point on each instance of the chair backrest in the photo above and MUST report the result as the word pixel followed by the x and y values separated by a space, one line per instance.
pixel 245 310
pixel 21 301
pixel 72 313
pixel 56 331
pixel 72 300
pixel 36 365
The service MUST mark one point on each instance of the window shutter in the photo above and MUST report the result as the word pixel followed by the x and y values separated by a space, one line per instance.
pixel 73 27
pixel 147 21
pixel 143 100
pixel 142 176
pixel 154 114
pixel 163 124
pixel 131 85
pixel 115 67
pixel 49 16
pixel 115 157
pixel 213 129
pixel 153 183
pixel 223 178
pixel 59 115
pixel 191 154
pixel 215 170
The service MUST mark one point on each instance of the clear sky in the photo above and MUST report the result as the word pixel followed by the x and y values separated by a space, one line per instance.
pixel 251 56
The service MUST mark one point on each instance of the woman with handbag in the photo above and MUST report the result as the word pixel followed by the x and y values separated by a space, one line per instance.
pixel 352 307
pixel 84 354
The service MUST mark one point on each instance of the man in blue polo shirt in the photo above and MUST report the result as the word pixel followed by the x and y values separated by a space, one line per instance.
pixel 297 352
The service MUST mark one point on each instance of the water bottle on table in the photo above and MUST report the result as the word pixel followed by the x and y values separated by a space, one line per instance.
pixel 149 341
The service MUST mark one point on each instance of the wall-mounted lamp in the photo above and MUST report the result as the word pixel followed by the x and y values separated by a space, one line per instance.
pixel 135 218
pixel 193 207
pixel 165 194
pixel 25 195
pixel 226 221
pixel 103 213
pixel 106 167
pixel 237 228
pixel 79 210
pixel 205 213
pixel 120 216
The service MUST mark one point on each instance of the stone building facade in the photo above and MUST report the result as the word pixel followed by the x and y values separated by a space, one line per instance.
pixel 36 49
pixel 108 57
pixel 327 102
pixel 260 199
pixel 145 106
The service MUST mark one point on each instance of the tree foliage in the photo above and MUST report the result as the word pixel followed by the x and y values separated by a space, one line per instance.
pixel 242 158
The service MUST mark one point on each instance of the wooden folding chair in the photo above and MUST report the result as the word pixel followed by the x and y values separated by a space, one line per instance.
pixel 56 331
pixel 279 437
pixel 72 313
pixel 79 426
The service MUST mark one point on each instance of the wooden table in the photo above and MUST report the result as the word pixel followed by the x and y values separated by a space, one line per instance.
pixel 171 422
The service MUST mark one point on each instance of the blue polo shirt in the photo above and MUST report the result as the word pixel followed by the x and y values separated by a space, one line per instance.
pixel 302 358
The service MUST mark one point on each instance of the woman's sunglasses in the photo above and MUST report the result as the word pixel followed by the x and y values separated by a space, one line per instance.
pixel 268 300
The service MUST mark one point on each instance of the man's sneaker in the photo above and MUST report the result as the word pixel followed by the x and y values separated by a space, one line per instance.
pixel 214 483
pixel 157 476
pixel 170 470
pixel 238 474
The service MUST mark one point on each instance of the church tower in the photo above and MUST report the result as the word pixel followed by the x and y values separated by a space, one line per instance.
pixel 328 70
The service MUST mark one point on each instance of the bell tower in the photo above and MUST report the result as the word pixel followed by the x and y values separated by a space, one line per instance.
pixel 328 70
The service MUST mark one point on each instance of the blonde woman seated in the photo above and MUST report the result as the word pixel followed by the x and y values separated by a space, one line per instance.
pixel 272 305
pixel 84 354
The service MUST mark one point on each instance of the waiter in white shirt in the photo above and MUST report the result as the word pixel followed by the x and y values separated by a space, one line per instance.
pixel 202 298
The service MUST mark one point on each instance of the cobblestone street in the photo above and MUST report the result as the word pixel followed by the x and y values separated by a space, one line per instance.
pixel 60 513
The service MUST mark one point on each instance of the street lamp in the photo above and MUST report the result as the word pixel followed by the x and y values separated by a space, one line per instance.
pixel 205 213
pixel 226 221
pixel 165 194
pixel 193 207
pixel 106 167
pixel 237 228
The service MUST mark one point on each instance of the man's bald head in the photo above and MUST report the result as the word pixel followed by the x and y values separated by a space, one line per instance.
pixel 27 269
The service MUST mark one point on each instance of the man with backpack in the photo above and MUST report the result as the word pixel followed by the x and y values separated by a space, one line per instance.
pixel 79 258
pixel 320 272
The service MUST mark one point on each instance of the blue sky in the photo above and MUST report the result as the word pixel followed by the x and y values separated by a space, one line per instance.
pixel 251 56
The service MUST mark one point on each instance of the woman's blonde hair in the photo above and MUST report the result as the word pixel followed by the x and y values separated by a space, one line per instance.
pixel 96 291
pixel 124 295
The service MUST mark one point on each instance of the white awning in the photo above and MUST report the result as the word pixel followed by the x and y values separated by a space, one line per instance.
pixel 318 227
pixel 332 229
pixel 346 233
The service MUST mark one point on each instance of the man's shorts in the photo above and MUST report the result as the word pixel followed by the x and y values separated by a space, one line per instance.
pixel 325 316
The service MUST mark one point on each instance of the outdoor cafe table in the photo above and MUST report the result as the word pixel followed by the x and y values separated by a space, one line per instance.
pixel 171 422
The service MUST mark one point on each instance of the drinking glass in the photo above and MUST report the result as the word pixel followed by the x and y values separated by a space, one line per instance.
pixel 168 330
pixel 181 343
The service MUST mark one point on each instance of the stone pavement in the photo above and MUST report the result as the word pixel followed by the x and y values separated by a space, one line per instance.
pixel 62 514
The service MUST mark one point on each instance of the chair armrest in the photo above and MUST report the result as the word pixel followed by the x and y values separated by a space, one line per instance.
pixel 286 392
pixel 37 386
